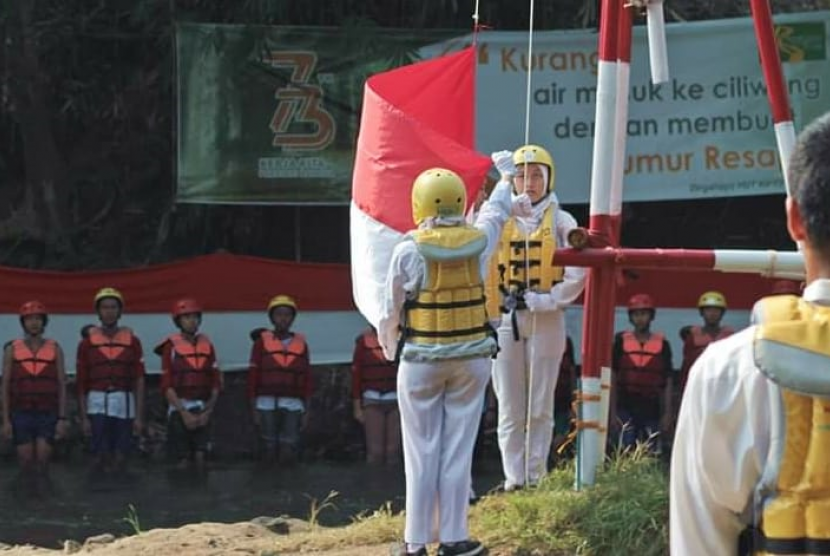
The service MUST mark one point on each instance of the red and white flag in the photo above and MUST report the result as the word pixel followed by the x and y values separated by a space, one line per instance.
pixel 414 118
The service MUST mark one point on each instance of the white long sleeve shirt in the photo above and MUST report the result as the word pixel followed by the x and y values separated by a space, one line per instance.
pixel 722 443
pixel 407 268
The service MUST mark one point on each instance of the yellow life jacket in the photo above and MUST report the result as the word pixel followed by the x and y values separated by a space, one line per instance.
pixel 447 319
pixel 511 261
pixel 792 348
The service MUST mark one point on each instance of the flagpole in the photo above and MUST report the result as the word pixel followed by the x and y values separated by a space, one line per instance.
pixel 776 87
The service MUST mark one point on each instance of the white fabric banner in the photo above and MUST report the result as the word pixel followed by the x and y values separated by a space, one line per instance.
pixel 330 334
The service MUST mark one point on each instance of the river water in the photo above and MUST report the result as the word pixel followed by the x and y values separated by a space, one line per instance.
pixel 80 506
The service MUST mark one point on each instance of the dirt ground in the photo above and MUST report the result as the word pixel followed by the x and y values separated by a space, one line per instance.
pixel 203 539
pixel 183 515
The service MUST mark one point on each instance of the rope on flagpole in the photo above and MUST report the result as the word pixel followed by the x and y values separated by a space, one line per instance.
pixel 530 365
pixel 529 73
pixel 476 26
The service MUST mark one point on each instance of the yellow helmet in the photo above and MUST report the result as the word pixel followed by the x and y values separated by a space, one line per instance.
pixel 712 299
pixel 282 301
pixel 534 154
pixel 438 192
pixel 108 293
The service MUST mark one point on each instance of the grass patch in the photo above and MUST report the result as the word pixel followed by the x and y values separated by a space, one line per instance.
pixel 380 526
pixel 626 512
pixel 132 519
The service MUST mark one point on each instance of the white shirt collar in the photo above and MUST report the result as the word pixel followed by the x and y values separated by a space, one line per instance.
pixel 818 292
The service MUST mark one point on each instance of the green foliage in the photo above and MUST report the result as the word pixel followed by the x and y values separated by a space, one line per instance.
pixel 87 110
pixel 132 520
pixel 626 512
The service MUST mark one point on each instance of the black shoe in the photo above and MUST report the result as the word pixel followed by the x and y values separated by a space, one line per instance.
pixel 463 548
pixel 502 488
pixel 399 549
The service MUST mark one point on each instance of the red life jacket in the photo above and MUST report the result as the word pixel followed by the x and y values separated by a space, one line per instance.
pixel 191 369
pixel 376 373
pixel 284 370
pixel 641 371
pixel 111 361
pixel 34 377
pixel 694 345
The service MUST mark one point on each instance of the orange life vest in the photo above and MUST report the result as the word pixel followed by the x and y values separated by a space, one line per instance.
pixel 641 371
pixel 284 369
pixel 376 373
pixel 111 364
pixel 191 366
pixel 694 345
pixel 34 377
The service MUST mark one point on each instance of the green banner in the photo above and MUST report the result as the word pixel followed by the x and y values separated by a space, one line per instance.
pixel 269 115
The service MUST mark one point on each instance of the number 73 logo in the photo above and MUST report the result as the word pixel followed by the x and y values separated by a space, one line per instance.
pixel 300 122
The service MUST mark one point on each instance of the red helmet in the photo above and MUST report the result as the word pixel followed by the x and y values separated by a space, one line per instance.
pixel 186 307
pixel 786 287
pixel 33 308
pixel 640 301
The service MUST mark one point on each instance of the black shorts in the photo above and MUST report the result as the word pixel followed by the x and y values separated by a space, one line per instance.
pixel 184 441
pixel 28 426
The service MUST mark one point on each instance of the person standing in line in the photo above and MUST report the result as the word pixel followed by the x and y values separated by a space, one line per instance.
pixel 110 378
pixel 190 382
pixel 375 400
pixel 34 396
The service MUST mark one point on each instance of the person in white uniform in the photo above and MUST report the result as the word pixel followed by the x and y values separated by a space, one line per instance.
pixel 751 446
pixel 526 297
pixel 435 296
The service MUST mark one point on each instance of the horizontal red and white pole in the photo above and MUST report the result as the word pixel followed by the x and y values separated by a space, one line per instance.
pixel 776 87
pixel 657 50
pixel 777 264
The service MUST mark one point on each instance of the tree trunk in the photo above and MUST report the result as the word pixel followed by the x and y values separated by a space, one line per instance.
pixel 47 185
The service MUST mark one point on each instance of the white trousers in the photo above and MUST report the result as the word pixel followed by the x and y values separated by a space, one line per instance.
pixel 440 405
pixel 535 356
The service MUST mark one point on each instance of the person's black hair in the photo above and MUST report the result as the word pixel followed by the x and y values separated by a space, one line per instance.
pixel 809 176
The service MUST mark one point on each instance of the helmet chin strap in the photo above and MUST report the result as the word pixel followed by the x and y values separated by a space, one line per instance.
pixel 541 199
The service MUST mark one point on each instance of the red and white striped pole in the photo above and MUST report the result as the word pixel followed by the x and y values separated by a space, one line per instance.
pixel 606 337
pixel 623 76
pixel 776 87
pixel 599 307
pixel 773 264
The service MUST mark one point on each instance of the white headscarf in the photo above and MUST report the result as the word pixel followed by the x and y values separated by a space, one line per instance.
pixel 530 224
